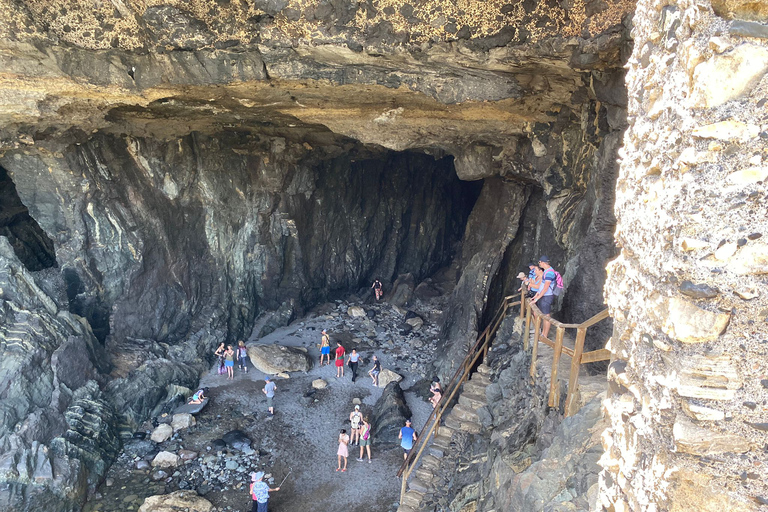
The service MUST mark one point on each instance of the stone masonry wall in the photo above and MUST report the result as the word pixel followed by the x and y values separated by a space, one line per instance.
pixel 688 292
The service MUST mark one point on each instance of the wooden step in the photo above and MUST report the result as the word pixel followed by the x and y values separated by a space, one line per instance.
pixel 419 486
pixel 412 499
pixel 472 401
pixel 424 474
pixel 430 462
pixel 464 413
pixel 484 369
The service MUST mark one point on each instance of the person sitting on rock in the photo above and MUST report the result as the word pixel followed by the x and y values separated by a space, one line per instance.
pixel 377 289
pixel 437 392
pixel 199 396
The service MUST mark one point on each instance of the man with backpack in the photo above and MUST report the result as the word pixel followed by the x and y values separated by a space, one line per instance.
pixel 551 286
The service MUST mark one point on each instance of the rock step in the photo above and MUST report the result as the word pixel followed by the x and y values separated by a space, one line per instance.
pixel 405 508
pixel 472 401
pixel 412 499
pixel 441 441
pixel 430 462
pixel 480 378
pixel 445 431
pixel 484 369
pixel 418 485
pixel 474 388
pixel 472 427
pixel 424 474
pixel 464 413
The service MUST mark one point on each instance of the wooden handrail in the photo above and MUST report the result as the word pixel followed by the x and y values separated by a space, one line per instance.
pixel 529 313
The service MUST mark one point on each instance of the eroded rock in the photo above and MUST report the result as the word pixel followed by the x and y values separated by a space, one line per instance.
pixel 273 359
pixel 188 501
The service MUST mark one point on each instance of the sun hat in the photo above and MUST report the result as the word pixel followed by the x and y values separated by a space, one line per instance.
pixel 255 477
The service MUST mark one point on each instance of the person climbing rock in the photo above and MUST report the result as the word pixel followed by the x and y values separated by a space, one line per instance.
pixel 407 437
pixel 242 353
pixel 377 289
pixel 229 362
pixel 355 419
pixel 269 390
pixel 219 353
pixel 365 439
pixel 343 451
pixel 375 371
pixel 339 360
pixel 353 360
pixel 325 347
pixel 260 492
pixel 199 396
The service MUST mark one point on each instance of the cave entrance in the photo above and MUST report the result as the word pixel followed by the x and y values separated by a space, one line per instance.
pixel 30 243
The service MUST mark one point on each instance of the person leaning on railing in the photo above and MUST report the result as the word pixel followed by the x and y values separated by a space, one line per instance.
pixel 545 296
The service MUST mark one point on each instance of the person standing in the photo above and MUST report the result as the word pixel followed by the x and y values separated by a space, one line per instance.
pixel 546 294
pixel 339 360
pixel 407 438
pixel 352 360
pixel 269 390
pixel 377 289
pixel 219 353
pixel 229 362
pixel 325 347
pixel 343 451
pixel 355 419
pixel 375 371
pixel 365 439
pixel 260 492
pixel 242 353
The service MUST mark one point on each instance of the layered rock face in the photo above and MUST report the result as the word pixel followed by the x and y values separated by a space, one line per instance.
pixel 188 167
pixel 687 293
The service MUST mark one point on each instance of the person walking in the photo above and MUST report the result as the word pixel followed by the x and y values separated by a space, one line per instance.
pixel 219 353
pixel 260 492
pixel 353 360
pixel 365 439
pixel 375 371
pixel 325 347
pixel 229 362
pixel 355 419
pixel 377 290
pixel 407 437
pixel 437 392
pixel 269 390
pixel 242 353
pixel 343 451
pixel 339 360
pixel 546 294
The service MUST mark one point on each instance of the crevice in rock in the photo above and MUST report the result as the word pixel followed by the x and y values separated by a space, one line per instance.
pixel 30 243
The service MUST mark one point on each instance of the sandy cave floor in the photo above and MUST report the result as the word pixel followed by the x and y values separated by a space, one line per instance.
pixel 301 437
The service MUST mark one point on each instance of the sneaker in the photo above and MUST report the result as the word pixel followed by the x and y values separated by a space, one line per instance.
pixel 369 461
pixel 360 460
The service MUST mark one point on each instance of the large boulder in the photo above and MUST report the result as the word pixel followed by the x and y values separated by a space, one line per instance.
pixel 186 501
pixel 386 376
pixel 273 359
pixel 165 460
pixel 356 312
pixel 390 414
pixel 162 433
pixel 402 290
pixel 182 420
pixel 191 408
pixel 238 440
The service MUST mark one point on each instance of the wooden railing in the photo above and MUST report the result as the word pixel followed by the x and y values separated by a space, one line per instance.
pixel 528 313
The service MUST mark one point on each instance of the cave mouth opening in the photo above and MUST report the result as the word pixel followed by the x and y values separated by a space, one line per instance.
pixel 32 245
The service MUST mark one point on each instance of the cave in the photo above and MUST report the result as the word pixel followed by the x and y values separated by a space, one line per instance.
pixel 175 176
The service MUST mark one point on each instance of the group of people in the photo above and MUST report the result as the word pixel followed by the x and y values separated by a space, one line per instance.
pixel 352 359
pixel 360 435
pixel 541 283
pixel 226 357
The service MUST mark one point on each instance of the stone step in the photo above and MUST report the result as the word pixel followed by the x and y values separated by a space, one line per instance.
pixel 471 401
pixel 430 462
pixel 464 413
pixel 405 508
pixel 419 486
pixel 445 431
pixel 472 427
pixel 442 442
pixel 480 378
pixel 473 388
pixel 424 474
pixel 484 369
pixel 436 451
pixel 412 499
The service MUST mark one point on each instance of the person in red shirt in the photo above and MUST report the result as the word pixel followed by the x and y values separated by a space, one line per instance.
pixel 340 360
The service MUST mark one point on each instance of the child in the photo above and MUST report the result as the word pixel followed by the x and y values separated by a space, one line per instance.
pixel 242 353
pixel 342 452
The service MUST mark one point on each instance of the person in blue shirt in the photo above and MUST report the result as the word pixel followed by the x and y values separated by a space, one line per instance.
pixel 407 438
pixel 260 492
pixel 546 294
pixel 269 390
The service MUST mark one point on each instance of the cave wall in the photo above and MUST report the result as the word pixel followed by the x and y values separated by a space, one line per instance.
pixel 687 293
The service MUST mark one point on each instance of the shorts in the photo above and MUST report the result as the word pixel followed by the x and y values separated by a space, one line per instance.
pixel 229 364
pixel 365 442
pixel 545 303
pixel 325 350
pixel 269 401
pixel 407 450
pixel 339 362
pixel 354 427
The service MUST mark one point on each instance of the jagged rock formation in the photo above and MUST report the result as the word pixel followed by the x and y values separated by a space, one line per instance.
pixel 687 293
pixel 188 167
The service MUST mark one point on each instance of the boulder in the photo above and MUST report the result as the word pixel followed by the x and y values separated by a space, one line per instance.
pixel 390 414
pixel 319 384
pixel 274 359
pixel 386 376
pixel 191 408
pixel 162 433
pixel 426 290
pixel 182 420
pixel 238 440
pixel 415 322
pixel 356 312
pixel 188 501
pixel 187 455
pixel 165 460
pixel 402 290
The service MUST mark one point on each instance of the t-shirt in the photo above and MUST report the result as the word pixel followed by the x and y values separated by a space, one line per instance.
pixel 197 394
pixel 270 389
pixel 260 492
pixel 366 431
pixel 354 357
pixel 340 353
pixel 356 419
pixel 407 440
pixel 376 366
pixel 548 281
pixel 241 352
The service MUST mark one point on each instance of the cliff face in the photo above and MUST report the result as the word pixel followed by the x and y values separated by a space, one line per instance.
pixel 188 167
pixel 687 293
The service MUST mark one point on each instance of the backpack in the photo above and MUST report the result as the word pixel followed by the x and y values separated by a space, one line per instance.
pixel 558 289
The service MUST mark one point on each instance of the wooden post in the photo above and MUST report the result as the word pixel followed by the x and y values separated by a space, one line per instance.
pixel 573 382
pixel 554 388
pixel 522 303
pixel 526 334
pixel 403 485
pixel 535 350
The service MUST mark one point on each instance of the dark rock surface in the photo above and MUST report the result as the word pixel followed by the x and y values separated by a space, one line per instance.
pixel 389 415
